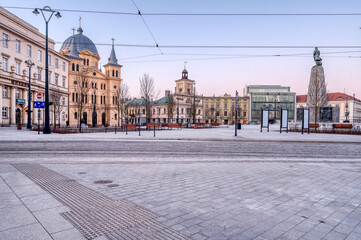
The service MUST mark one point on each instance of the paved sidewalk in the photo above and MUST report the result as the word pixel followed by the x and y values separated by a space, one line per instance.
pixel 28 212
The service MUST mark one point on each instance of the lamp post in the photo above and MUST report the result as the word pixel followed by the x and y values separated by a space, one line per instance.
pixel 30 64
pixel 177 110
pixel 94 109
pixel 46 129
pixel 194 104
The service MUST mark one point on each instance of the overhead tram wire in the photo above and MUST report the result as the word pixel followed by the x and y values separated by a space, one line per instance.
pixel 145 23
pixel 192 14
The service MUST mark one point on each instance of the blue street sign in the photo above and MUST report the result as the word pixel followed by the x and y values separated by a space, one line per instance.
pixel 38 104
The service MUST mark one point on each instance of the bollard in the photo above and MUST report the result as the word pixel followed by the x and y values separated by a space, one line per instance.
pixel 126 129
pixel 139 129
pixel 154 130
pixel 38 129
pixel 115 127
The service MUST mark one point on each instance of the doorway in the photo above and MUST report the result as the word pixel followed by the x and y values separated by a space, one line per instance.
pixel 103 118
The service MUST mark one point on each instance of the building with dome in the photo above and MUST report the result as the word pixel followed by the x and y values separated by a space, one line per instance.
pixel 93 95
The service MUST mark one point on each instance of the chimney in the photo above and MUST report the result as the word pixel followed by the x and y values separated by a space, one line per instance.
pixel 167 93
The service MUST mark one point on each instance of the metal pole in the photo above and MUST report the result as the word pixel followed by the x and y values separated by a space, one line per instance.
pixel 38 121
pixel 235 119
pixel 115 127
pixel 154 129
pixel 194 105
pixel 177 110
pixel 30 64
pixel 46 129
pixel 126 129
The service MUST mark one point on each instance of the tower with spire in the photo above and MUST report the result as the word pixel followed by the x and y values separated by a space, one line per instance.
pixel 112 68
pixel 184 86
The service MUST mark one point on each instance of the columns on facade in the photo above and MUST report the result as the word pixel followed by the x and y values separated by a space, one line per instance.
pixel 12 106
pixel 1 104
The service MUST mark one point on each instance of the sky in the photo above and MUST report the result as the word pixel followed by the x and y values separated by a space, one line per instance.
pixel 216 70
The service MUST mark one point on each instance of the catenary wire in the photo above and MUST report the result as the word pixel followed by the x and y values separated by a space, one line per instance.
pixel 194 14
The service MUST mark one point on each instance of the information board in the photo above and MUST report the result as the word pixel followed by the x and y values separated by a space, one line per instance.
pixel 265 118
pixel 306 118
pixel 284 121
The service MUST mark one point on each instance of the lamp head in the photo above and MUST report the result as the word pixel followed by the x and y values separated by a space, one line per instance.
pixel 36 11
pixel 58 15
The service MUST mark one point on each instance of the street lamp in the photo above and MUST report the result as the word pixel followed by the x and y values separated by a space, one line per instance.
pixel 94 109
pixel 30 64
pixel 177 110
pixel 46 129
pixel 235 118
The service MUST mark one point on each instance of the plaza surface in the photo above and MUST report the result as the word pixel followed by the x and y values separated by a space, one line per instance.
pixel 181 184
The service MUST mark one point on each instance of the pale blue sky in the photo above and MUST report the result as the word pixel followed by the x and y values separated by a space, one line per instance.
pixel 217 76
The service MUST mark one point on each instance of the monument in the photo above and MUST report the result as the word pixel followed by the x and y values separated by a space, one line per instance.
pixel 317 95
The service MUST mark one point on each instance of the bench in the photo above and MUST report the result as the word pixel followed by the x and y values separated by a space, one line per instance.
pixel 153 125
pixel 174 125
pixel 342 126
pixel 129 126
pixel 312 125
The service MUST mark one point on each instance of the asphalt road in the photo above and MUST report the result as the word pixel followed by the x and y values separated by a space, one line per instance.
pixel 176 151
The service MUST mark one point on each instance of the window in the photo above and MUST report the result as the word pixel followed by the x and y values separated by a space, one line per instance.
pixel 39 55
pixel 77 67
pixel 182 110
pixel 115 116
pixel 29 50
pixel 5 92
pixel 49 59
pixel 104 86
pixel 143 111
pixel 56 80
pixel 113 73
pixel 101 100
pixel 113 99
pixel 5 40
pixel 199 111
pixel 56 63
pixel 75 115
pixel 5 64
pixel 116 73
pixel 17 46
pixel 225 113
pixel 63 116
pixel 73 67
pixel 63 81
pixel 101 86
pixel 5 112
pixel 39 74
pixel 164 110
pixel 87 62
pixel 64 66
pixel 104 99
pixel 49 77
pixel 17 94
pixel 63 101
pixel 17 68
pixel 73 97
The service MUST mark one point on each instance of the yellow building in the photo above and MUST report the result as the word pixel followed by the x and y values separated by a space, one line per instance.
pixel 222 109
pixel 93 95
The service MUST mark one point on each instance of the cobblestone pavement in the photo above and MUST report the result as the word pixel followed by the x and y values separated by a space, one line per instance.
pixel 198 190
pixel 73 151
pixel 237 200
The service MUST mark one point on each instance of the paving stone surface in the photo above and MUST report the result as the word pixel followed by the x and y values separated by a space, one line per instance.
pixel 236 200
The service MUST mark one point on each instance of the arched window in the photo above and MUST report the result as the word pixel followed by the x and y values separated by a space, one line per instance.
pixel 113 99
pixel 104 100
pixel 116 73
pixel 77 67
pixel 113 73
pixel 73 97
pixel 87 62
pixel 76 97
pixel 75 115
pixel 84 61
pixel 73 67
pixel 115 116
pixel 101 100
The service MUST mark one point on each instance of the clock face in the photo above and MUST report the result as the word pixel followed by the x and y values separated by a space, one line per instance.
pixel 94 73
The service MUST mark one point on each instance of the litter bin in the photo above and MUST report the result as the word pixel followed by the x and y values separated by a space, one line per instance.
pixel 20 127
pixel 239 126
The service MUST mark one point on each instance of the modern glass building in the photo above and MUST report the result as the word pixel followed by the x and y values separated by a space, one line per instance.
pixel 271 97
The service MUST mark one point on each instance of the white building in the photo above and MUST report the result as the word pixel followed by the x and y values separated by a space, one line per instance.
pixel 346 103
pixel 21 42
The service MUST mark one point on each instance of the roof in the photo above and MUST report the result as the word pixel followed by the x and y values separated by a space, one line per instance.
pixel 141 101
pixel 337 96
pixel 112 60
pixel 82 43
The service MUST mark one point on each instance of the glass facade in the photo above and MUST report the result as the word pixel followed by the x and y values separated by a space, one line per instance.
pixel 273 98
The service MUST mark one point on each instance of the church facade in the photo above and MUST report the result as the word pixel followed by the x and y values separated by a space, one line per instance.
pixel 93 94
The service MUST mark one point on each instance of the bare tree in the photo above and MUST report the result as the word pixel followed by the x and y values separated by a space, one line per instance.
pixel 122 95
pixel 82 94
pixel 147 90
pixel 170 107
pixel 57 107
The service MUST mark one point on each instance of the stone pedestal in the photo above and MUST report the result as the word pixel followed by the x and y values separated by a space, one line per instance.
pixel 317 95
